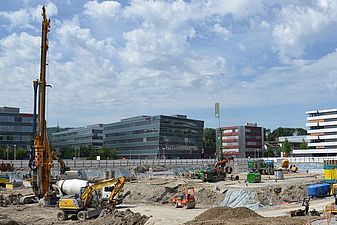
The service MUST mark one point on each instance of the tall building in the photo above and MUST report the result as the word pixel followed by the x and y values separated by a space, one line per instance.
pixel 76 137
pixel 156 137
pixel 243 141
pixel 15 128
pixel 322 133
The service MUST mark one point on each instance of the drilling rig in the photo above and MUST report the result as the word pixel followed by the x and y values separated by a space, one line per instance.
pixel 41 156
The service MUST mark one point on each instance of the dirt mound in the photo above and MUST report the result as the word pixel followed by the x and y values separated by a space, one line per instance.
pixel 225 213
pixel 117 217
pixel 274 195
pixel 240 216
pixel 208 197
pixel 141 169
pixel 9 222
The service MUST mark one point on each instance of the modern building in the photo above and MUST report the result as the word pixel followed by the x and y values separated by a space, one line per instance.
pixel 155 137
pixel 242 141
pixel 76 137
pixel 294 141
pixel 15 128
pixel 51 130
pixel 322 133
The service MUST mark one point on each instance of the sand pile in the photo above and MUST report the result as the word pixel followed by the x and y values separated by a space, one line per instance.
pixel 117 217
pixel 240 216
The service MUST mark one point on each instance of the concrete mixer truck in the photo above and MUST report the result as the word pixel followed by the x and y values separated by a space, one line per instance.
pixel 87 204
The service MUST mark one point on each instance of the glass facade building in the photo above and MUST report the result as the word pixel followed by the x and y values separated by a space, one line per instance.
pixel 155 137
pixel 76 137
pixel 15 128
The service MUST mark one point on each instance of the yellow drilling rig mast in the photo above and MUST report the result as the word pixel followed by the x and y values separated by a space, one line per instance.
pixel 42 155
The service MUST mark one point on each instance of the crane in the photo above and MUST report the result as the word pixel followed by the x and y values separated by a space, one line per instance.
pixel 85 206
pixel 42 162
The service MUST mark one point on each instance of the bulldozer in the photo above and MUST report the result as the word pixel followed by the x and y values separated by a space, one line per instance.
pixel 88 204
pixel 186 200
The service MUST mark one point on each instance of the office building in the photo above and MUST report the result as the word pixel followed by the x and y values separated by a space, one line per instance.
pixel 15 128
pixel 294 141
pixel 242 141
pixel 51 130
pixel 155 137
pixel 76 137
pixel 322 133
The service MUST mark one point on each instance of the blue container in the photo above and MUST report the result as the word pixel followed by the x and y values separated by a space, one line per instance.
pixel 318 190
pixel 326 189
pixel 312 190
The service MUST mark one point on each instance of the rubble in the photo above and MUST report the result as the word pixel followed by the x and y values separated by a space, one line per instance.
pixel 119 217
pixel 11 199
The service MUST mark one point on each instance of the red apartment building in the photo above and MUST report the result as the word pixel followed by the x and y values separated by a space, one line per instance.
pixel 243 141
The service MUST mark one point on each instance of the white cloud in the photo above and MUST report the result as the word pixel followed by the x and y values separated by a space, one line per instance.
pixel 223 31
pixel 103 9
pixel 148 57
pixel 300 26
pixel 25 17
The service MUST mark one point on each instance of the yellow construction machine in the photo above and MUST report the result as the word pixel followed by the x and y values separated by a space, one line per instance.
pixel 88 204
pixel 41 156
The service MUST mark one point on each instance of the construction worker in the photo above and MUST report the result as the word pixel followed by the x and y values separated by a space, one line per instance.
pixel 306 205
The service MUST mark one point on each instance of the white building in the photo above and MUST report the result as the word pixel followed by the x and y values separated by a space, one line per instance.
pixel 322 133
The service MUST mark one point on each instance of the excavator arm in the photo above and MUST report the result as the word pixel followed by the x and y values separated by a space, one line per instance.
pixel 63 167
pixel 118 187
pixel 88 192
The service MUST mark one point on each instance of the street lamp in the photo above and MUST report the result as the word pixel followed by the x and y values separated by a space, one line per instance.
pixel 14 152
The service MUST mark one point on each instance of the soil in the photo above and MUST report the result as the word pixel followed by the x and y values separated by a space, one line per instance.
pixel 240 216
pixel 126 217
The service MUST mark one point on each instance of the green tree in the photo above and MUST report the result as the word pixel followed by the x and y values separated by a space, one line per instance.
pixel 304 144
pixel 68 152
pixel 209 140
pixel 284 131
pixel 270 151
pixel 286 148
pixel 21 153
pixel 2 153
pixel 107 153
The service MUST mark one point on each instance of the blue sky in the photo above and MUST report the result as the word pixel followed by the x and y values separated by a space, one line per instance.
pixel 264 61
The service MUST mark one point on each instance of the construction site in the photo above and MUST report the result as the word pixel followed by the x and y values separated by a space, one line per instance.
pixel 170 195
pixel 227 191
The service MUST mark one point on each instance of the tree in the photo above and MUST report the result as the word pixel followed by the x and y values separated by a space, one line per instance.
pixel 270 151
pixel 284 131
pixel 304 144
pixel 22 153
pixel 286 148
pixel 209 140
pixel 68 152
pixel 2 153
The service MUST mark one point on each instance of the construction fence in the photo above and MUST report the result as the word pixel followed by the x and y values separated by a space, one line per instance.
pixel 240 164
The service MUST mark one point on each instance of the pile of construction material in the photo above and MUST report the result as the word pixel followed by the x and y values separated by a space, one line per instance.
pixel 119 217
pixel 11 199
pixel 240 216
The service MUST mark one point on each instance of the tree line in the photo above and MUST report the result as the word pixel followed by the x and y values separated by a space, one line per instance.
pixel 89 152
pixel 85 152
